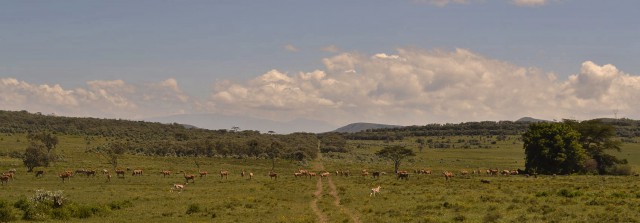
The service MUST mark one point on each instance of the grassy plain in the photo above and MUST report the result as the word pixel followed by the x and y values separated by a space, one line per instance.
pixel 422 198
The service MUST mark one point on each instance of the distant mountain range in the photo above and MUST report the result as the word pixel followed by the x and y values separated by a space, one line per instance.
pixel 216 121
pixel 529 119
pixel 361 126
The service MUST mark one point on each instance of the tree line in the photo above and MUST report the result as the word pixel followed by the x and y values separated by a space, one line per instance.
pixel 151 139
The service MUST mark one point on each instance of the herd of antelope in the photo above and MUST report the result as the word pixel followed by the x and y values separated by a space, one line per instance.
pixel 224 174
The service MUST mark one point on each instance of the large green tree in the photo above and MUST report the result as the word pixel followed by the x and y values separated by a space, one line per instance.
pixel 596 138
pixel 396 154
pixel 553 148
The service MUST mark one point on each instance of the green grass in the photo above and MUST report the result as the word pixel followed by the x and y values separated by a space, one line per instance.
pixel 422 198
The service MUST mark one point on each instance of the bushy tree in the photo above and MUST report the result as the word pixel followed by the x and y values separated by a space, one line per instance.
pixel 396 154
pixel 35 156
pixel 553 148
pixel 596 138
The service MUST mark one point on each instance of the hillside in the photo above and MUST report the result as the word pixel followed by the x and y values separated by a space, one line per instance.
pixel 361 126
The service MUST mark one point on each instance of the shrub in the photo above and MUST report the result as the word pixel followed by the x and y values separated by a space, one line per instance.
pixel 193 208
pixel 621 170
pixel 6 214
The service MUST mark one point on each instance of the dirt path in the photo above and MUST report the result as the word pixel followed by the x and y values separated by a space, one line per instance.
pixel 334 193
pixel 322 218
pixel 336 202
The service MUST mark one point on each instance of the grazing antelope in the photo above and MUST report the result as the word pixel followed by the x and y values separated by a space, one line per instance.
pixel 65 175
pixel 324 174
pixel 403 175
pixel 108 177
pixel 105 171
pixel 464 172
pixel 90 173
pixel 303 171
pixel 203 173
pixel 273 175
pixel 506 172
pixel 189 177
pixel 447 175
pixel 166 173
pixel 179 187
pixel 485 181
pixel 365 173
pixel 137 173
pixel 297 174
pixel 312 174
pixel 80 171
pixel 242 174
pixel 4 179
pixel 375 174
pixel 374 191
pixel 120 173
pixel 13 170
pixel 8 174
pixel 224 174
pixel 39 173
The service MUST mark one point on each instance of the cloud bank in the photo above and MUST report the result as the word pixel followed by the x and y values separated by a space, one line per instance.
pixel 407 87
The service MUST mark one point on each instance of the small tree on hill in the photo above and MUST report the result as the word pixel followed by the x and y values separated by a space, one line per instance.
pixel 274 151
pixel 113 151
pixel 395 154
pixel 35 156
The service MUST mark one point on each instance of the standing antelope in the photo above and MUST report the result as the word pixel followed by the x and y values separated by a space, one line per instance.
pixel 273 175
pixel 4 179
pixel 120 173
pixel 189 177
pixel 224 174
pixel 250 175
pixel 203 173
pixel 65 175
pixel 374 191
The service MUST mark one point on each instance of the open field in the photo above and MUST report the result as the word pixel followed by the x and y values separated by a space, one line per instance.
pixel 421 198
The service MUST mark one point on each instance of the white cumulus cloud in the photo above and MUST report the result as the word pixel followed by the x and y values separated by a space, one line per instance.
pixel 415 86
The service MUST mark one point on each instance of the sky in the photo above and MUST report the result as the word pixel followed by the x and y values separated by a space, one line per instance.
pixel 405 62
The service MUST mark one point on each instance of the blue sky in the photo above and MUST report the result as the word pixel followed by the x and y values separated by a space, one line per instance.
pixel 206 52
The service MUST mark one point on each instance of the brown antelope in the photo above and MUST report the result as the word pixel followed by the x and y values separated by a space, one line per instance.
pixel 189 177
pixel 224 174
pixel 447 175
pixel 297 174
pixel 324 174
pixel 120 173
pixel 203 173
pixel 242 174
pixel 90 173
pixel 273 175
pixel 137 173
pixel 374 191
pixel 4 179
pixel 108 177
pixel 166 173
pixel 312 174
pixel 403 175
pixel 39 173
pixel 65 175
pixel 8 174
